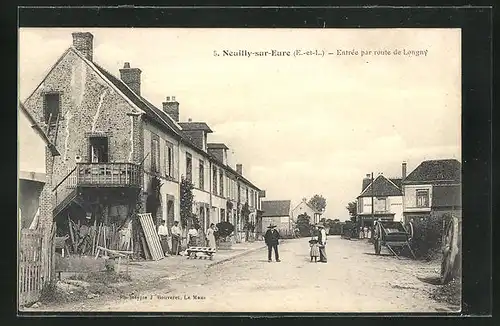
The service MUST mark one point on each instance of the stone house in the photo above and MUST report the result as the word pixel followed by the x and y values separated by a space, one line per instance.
pixel 305 208
pixel 433 189
pixel 113 145
pixel 277 212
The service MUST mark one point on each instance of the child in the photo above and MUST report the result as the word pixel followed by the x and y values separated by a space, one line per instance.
pixel 314 249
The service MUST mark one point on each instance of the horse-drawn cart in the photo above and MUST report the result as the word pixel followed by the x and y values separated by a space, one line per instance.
pixel 392 235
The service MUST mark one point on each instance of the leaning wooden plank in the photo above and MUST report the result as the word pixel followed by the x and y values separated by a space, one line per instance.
pixel 147 254
pixel 73 243
pixel 151 236
pixel 146 231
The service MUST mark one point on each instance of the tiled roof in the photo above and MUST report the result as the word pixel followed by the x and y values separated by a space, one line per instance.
pixel 436 170
pixel 152 112
pixel 397 182
pixel 382 187
pixel 217 146
pixel 275 208
pixel 195 126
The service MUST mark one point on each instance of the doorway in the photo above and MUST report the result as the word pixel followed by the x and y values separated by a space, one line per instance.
pixel 98 149
pixel 170 212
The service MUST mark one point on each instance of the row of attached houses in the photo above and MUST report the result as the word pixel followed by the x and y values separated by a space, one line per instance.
pixel 108 145
pixel 433 188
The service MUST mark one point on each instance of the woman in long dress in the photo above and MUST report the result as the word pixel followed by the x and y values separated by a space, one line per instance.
pixel 211 236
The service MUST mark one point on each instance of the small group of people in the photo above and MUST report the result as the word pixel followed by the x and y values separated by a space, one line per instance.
pixel 193 237
pixel 317 244
pixel 365 232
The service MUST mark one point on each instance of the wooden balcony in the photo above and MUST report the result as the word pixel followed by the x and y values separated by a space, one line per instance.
pixel 96 175
pixel 107 175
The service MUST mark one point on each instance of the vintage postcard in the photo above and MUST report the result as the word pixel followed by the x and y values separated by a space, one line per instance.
pixel 239 170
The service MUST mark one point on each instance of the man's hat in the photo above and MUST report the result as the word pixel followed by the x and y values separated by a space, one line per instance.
pixel 320 225
pixel 271 226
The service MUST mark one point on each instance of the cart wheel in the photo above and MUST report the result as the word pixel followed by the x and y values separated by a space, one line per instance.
pixel 378 244
pixel 446 265
pixel 411 231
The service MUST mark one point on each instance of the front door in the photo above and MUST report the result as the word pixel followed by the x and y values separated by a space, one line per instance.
pixel 170 212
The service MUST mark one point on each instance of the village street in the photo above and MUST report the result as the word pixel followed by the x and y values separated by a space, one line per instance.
pixel 353 280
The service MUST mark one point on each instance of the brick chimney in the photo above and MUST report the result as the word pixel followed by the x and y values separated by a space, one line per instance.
pixel 239 168
pixel 131 77
pixel 171 107
pixel 366 181
pixel 83 43
pixel 403 171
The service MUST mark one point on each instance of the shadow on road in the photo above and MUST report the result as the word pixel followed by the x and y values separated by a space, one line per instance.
pixel 434 280
pixel 373 254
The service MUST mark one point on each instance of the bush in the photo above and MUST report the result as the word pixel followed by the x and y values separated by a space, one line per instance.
pixel 427 237
pixel 224 230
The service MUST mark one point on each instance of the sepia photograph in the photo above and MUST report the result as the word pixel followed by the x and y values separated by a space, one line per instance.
pixel 239 170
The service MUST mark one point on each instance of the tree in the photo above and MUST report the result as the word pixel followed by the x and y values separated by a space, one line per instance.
pixel 304 225
pixel 186 202
pixel 352 208
pixel 318 202
pixel 224 230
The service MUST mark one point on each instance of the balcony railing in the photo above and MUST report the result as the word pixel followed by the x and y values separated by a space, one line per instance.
pixel 108 175
pixel 98 175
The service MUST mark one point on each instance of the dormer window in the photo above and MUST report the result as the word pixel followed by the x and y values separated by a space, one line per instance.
pixel 51 107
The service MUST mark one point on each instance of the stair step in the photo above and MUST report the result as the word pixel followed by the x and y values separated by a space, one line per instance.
pixel 65 202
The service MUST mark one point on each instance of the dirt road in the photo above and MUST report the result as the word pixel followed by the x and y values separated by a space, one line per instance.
pixel 353 280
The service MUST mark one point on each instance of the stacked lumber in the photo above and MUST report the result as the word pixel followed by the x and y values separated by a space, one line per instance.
pixel 84 239
pixel 150 240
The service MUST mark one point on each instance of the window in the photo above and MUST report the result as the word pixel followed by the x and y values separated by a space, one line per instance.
pixel 221 181
pixel 223 216
pixel 380 205
pixel 189 167
pixel 98 149
pixel 155 153
pixel 246 194
pixel 202 175
pixel 169 160
pixel 51 107
pixel 214 180
pixel 360 205
pixel 422 198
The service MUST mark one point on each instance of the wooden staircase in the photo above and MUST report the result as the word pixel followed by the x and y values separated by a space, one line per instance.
pixel 65 192
pixel 65 202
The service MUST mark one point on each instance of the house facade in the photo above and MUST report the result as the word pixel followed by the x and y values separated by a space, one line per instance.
pixel 110 150
pixel 380 198
pixel 433 189
pixel 304 208
pixel 277 212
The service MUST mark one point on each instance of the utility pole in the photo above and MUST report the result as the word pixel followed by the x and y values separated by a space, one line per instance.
pixel 373 191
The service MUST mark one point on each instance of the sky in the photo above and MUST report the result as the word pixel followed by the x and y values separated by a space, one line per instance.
pixel 300 125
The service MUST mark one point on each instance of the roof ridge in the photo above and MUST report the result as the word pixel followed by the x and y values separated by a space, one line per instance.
pixel 374 180
pixel 139 97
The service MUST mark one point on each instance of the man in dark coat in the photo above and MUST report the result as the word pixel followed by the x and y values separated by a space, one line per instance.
pixel 271 238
